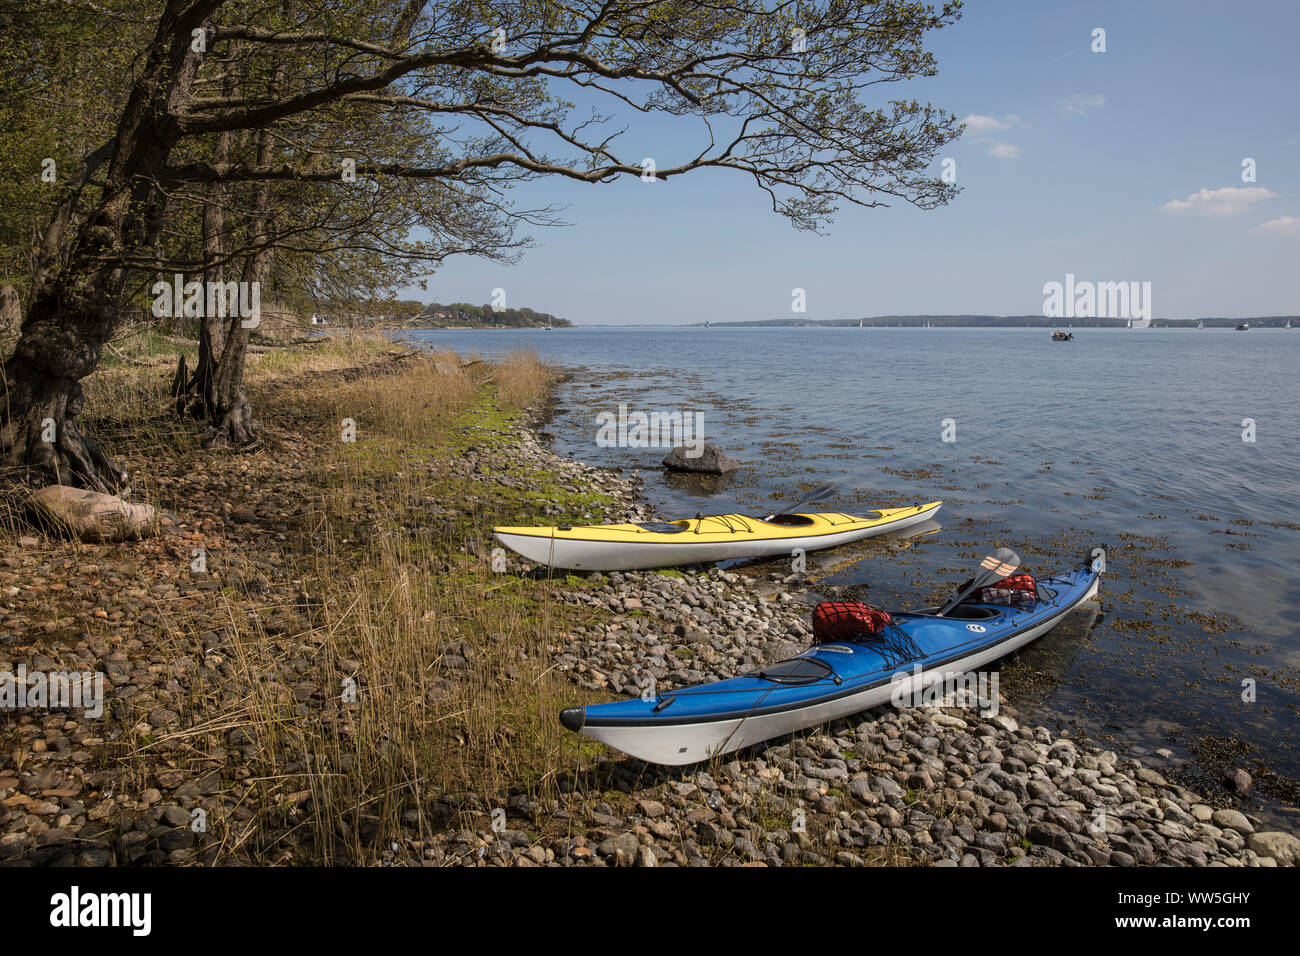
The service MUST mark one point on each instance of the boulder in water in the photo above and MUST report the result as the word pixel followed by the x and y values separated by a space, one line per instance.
pixel 708 460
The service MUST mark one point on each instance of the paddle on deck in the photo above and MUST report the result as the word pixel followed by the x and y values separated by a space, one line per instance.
pixel 821 491
pixel 996 566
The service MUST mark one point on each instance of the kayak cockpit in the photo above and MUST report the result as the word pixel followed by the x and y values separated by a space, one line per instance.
pixel 663 527
pixel 798 670
pixel 790 521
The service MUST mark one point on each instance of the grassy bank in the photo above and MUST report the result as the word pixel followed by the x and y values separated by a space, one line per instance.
pixel 341 669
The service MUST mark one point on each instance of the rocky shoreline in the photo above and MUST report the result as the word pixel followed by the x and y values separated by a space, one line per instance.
pixel 928 785
pixel 944 785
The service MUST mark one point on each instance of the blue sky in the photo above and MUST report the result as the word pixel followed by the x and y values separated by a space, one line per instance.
pixel 1115 166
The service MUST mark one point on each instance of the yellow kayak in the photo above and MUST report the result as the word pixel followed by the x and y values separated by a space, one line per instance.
pixel 662 544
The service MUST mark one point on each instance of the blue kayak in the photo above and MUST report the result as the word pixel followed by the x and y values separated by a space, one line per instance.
pixel 829 681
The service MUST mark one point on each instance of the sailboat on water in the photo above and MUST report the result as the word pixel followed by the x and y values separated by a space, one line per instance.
pixel 859 323
pixel 1200 325
pixel 1288 324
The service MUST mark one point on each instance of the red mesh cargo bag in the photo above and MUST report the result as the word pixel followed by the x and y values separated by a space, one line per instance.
pixel 1019 590
pixel 847 621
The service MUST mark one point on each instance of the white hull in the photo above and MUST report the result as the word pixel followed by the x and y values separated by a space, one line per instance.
pixel 630 555
pixel 677 744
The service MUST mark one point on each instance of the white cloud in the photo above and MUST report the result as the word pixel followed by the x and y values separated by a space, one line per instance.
pixel 1080 103
pixel 977 125
pixel 1219 202
pixel 980 127
pixel 1282 226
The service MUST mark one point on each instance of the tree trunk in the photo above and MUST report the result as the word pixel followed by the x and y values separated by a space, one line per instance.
pixel 232 413
pixel 199 394
pixel 235 426
pixel 215 392
pixel 73 311
pixel 40 433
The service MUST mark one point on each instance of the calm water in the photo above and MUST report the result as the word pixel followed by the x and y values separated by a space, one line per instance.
pixel 1132 438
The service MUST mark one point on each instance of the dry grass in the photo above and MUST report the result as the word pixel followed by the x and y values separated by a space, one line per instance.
pixel 448 661
pixel 417 405
pixel 337 351
pixel 415 730
pixel 521 379
pixel 396 603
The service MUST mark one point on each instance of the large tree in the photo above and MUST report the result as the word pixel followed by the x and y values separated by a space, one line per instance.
pixel 391 130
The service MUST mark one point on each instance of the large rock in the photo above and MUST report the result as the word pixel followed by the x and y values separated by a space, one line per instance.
pixel 1230 819
pixel 1051 835
pixel 711 460
pixel 1274 844
pixel 621 849
pixel 91 515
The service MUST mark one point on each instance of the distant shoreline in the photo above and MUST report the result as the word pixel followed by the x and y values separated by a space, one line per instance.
pixel 1007 321
pixel 911 322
